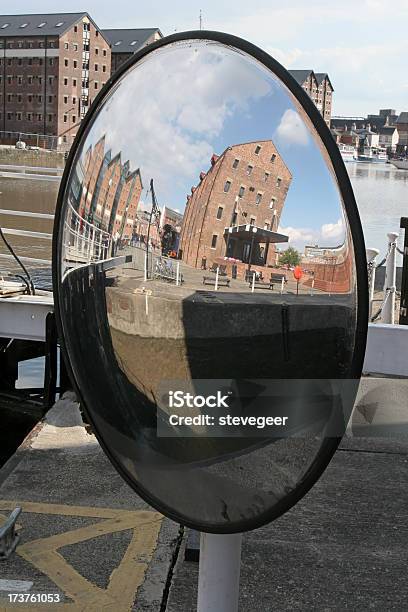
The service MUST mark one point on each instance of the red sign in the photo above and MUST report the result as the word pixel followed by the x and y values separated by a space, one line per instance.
pixel 297 273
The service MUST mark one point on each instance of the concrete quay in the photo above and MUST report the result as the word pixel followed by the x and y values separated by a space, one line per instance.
pixel 88 538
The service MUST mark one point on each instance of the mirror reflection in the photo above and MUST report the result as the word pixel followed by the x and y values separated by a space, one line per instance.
pixel 205 249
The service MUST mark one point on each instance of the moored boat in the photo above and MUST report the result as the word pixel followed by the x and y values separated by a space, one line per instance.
pixel 373 154
pixel 401 164
pixel 348 152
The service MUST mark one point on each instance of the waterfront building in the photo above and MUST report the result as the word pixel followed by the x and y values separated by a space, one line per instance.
pixel 172 217
pixel 51 68
pixel 234 210
pixel 402 127
pixel 388 138
pixel 386 117
pixel 125 42
pixel 319 88
pixel 110 191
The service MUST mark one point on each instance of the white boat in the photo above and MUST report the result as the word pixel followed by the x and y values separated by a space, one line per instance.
pixel 348 152
pixel 373 154
pixel 401 164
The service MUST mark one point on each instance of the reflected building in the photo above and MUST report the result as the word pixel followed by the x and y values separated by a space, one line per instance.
pixel 331 268
pixel 234 211
pixel 110 191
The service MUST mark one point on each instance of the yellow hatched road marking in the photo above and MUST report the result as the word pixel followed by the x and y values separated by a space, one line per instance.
pixel 124 580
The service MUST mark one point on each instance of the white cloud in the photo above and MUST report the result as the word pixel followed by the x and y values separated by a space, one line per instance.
pixel 299 236
pixel 332 230
pixel 330 234
pixel 166 113
pixel 291 129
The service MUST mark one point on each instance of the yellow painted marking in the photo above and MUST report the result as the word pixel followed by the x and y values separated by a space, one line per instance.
pixel 124 580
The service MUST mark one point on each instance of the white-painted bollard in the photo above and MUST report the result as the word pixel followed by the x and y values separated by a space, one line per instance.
pixel 282 284
pixel 371 255
pixel 178 274
pixel 218 578
pixel 216 278
pixel 388 312
pixel 253 282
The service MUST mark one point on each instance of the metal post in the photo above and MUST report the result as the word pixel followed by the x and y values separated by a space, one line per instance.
pixel 371 255
pixel 282 284
pixel 218 578
pixel 145 267
pixel 216 278
pixel 403 317
pixel 253 281
pixel 390 279
pixel 178 274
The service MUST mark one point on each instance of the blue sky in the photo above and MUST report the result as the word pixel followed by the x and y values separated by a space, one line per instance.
pixel 178 107
pixel 362 45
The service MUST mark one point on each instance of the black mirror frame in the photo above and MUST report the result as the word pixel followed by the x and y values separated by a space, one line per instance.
pixel 329 445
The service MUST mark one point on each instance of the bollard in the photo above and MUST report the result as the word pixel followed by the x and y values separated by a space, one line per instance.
pixel 282 284
pixel 253 282
pixel 388 312
pixel 178 274
pixel 219 570
pixel 216 278
pixel 371 255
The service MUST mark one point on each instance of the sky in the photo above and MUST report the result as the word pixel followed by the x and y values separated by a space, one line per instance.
pixel 182 103
pixel 362 45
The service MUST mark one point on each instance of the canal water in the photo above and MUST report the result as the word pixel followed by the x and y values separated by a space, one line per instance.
pixel 381 192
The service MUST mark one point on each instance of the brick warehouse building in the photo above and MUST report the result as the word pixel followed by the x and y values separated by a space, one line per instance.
pixel 235 209
pixel 125 42
pixel 51 68
pixel 109 192
pixel 319 88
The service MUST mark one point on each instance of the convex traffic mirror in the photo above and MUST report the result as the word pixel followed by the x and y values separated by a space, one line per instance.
pixel 210 281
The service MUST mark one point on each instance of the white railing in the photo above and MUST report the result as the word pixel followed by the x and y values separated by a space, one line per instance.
pixel 386 311
pixel 83 241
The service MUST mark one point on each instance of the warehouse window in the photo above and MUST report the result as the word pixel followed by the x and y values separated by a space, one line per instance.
pixel 219 212
pixel 227 186
pixel 214 241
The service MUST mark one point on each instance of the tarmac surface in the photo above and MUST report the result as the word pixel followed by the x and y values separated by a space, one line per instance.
pixel 86 537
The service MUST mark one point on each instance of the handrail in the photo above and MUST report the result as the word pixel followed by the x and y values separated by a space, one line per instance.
pixel 24 213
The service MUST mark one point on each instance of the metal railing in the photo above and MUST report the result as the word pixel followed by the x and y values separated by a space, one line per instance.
pixel 42 141
pixel 84 242
pixel 386 311
pixel 26 233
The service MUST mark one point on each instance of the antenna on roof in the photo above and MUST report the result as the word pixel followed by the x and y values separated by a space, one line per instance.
pixel 201 19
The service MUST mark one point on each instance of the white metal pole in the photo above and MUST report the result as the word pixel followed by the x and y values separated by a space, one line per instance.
pixel 388 312
pixel 371 255
pixel 282 284
pixel 253 281
pixel 216 278
pixel 178 274
pixel 218 578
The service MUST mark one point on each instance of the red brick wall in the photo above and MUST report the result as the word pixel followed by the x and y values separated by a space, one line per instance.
pixel 200 222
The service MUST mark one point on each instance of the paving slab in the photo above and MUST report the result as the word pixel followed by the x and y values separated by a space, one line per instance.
pixel 86 537
pixel 343 547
